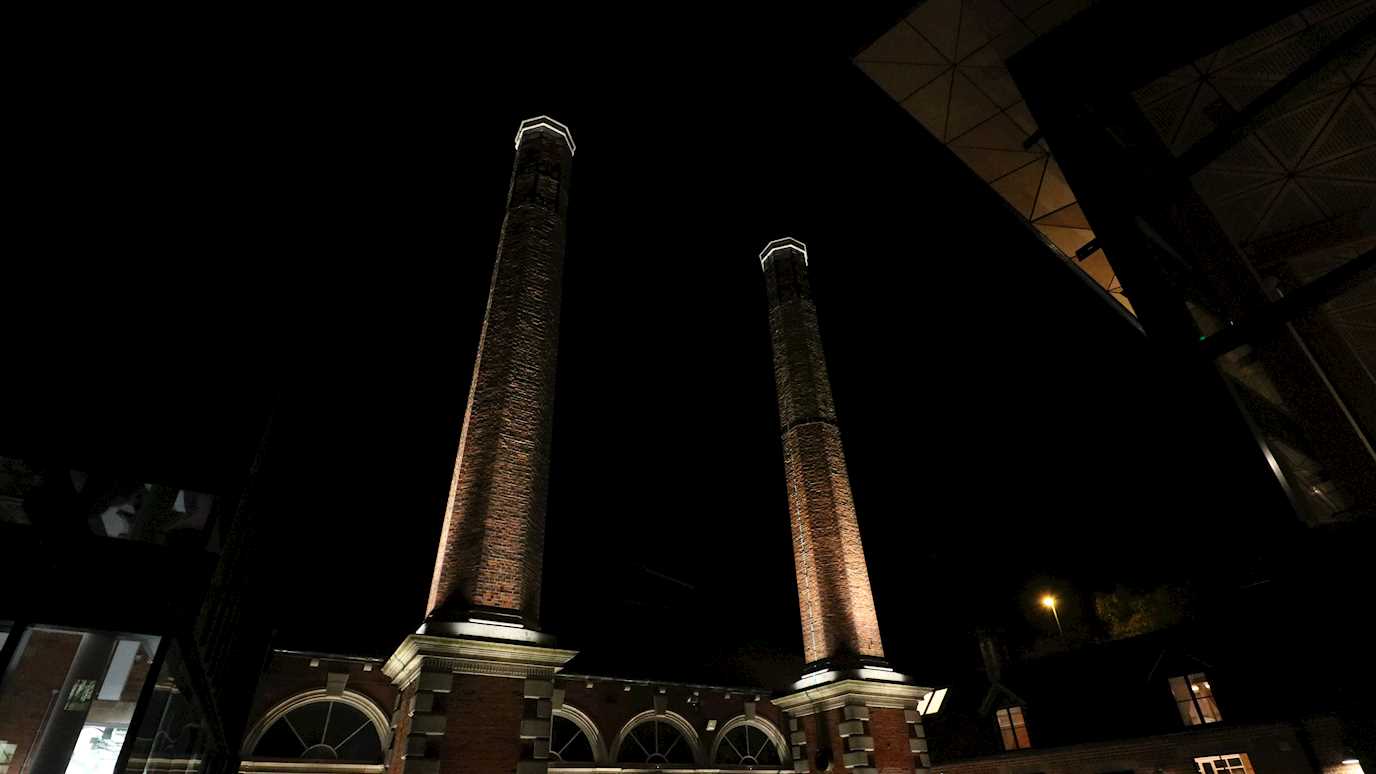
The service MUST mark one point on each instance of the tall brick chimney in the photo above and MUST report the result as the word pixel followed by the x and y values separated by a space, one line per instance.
pixel 850 708
pixel 476 682
pixel 493 541
pixel 834 597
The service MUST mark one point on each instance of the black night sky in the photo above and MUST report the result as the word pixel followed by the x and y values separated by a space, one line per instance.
pixel 299 216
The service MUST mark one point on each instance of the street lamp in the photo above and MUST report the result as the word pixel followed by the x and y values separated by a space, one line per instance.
pixel 1050 601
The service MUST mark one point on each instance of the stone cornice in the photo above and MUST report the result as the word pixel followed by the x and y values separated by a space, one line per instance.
pixel 472 656
pixel 870 693
pixel 307 767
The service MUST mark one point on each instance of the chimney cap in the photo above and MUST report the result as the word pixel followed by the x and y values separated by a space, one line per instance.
pixel 548 124
pixel 786 243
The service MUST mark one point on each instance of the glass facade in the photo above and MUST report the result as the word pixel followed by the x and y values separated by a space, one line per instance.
pixel 121 659
pixel 69 697
pixel 1235 191
pixel 171 735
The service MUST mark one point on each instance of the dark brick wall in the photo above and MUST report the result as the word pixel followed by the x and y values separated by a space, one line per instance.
pixel 893 752
pixel 396 759
pixel 610 706
pixel 483 725
pixel 492 543
pixel 28 692
pixel 288 675
pixel 834 597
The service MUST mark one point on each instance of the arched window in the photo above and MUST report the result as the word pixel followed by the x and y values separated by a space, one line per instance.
pixel 319 726
pixel 573 738
pixel 651 738
pixel 742 742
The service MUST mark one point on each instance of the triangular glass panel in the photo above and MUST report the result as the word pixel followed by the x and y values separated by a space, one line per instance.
pixel 1022 117
pixel 969 107
pixel 1362 65
pixel 998 132
pixel 994 164
pixel 1360 165
pixel 987 56
pixel 1099 270
pixel 1217 183
pixel 1340 197
pixel 1166 113
pixel 928 105
pixel 995 82
pixel 1248 154
pixel 1068 240
pixel 972 33
pixel 1200 119
pixel 1055 192
pixel 1019 189
pixel 1350 129
pixel 1069 216
pixel 1240 91
pixel 1291 210
pixel 902 44
pixel 993 14
pixel 938 20
pixel 1290 135
pixel 1239 215
pixel 901 80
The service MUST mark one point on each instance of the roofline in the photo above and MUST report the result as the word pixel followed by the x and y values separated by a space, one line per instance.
pixel 330 656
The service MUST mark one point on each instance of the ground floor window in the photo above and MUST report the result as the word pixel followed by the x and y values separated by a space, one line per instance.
pixel 87 683
pixel 1232 763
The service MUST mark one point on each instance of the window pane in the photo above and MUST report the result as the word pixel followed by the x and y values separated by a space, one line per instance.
pixel 568 742
pixel 1009 742
pixel 93 679
pixel 1209 709
pixel 1179 689
pixel 1188 714
pixel 1200 686
pixel 1023 741
pixel 1232 763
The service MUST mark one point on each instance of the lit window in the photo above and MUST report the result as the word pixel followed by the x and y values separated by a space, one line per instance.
pixel 1013 728
pixel 1194 697
pixel 1232 763
pixel 6 755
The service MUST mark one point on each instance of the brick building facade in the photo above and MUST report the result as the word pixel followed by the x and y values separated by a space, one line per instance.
pixel 481 689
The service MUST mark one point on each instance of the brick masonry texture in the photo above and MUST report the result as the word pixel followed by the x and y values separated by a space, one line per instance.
pixel 482 733
pixel 892 752
pixel 834 597
pixel 288 675
pixel 396 757
pixel 492 543
pixel 31 690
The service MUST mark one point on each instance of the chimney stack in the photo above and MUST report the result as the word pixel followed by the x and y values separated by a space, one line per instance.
pixel 487 571
pixel 839 622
